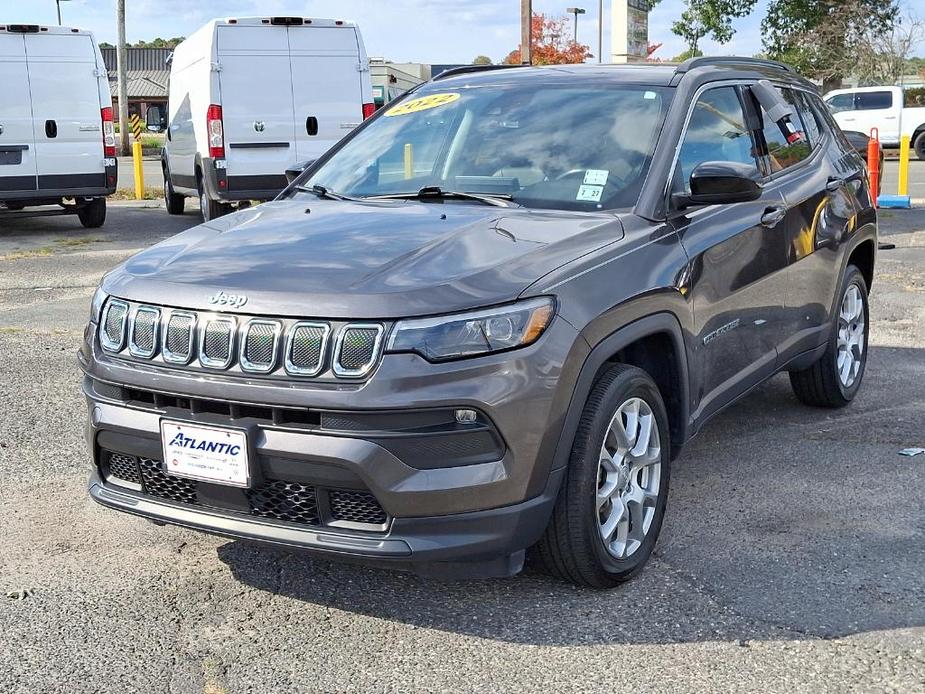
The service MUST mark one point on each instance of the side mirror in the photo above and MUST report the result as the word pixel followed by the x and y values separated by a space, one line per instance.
pixel 294 171
pixel 155 119
pixel 720 183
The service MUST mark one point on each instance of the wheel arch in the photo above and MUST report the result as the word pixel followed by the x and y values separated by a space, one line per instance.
pixel 654 343
pixel 863 256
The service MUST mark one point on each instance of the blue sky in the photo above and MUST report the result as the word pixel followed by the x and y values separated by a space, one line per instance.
pixel 428 31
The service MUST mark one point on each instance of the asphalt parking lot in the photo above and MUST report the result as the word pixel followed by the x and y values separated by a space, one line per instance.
pixel 792 557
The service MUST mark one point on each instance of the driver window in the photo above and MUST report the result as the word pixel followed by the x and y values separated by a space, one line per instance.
pixel 716 132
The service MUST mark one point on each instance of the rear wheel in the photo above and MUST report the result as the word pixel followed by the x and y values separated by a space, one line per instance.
pixel 835 378
pixel 93 214
pixel 209 208
pixel 610 508
pixel 919 145
pixel 175 203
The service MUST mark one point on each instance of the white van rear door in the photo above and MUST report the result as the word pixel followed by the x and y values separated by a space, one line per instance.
pixel 66 111
pixel 17 143
pixel 326 86
pixel 256 100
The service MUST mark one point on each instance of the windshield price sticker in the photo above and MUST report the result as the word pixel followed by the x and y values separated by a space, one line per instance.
pixel 589 193
pixel 596 177
pixel 423 103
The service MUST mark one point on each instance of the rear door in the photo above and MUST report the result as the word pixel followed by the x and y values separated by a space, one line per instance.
pixel 256 101
pixel 17 144
pixel 326 86
pixel 66 117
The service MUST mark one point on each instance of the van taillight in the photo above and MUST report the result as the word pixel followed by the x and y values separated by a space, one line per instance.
pixel 109 132
pixel 216 134
pixel 368 110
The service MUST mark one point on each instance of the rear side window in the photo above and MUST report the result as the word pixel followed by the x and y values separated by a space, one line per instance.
pixel 781 154
pixel 872 101
pixel 716 132
pixel 810 122
pixel 840 102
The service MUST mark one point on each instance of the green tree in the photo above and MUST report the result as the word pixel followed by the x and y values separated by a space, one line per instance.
pixel 825 39
pixel 158 43
pixel 481 60
pixel 681 57
pixel 711 18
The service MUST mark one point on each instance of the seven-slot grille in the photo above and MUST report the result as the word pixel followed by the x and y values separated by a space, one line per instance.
pixel 218 341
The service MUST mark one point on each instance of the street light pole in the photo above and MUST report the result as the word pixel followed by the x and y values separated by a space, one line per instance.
pixel 121 68
pixel 58 3
pixel 600 31
pixel 575 11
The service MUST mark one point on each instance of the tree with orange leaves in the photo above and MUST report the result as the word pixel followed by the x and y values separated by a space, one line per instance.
pixel 550 44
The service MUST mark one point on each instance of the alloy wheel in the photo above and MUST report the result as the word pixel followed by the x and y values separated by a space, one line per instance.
pixel 851 333
pixel 629 478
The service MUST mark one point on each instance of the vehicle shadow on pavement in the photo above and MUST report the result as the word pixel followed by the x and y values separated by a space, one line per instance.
pixel 784 522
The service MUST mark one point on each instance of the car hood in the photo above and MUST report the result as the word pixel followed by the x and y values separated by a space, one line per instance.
pixel 342 259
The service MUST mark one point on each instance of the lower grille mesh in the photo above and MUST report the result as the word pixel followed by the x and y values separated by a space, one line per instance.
pixel 281 500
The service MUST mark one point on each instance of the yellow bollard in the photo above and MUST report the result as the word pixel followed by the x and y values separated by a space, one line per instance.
pixel 139 172
pixel 409 161
pixel 904 165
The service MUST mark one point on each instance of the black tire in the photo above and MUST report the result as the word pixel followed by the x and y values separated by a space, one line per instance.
pixel 820 385
pixel 16 206
pixel 572 547
pixel 93 214
pixel 919 145
pixel 174 202
pixel 209 208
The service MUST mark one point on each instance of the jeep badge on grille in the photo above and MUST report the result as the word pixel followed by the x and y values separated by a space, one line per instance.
pixel 222 299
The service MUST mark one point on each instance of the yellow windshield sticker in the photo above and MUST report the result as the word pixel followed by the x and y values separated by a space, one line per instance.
pixel 423 103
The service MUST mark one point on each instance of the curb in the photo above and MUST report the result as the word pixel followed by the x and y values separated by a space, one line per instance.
pixel 142 204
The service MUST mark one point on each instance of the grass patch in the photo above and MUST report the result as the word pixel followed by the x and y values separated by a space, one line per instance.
pixel 79 241
pixel 150 193
pixel 11 330
pixel 33 253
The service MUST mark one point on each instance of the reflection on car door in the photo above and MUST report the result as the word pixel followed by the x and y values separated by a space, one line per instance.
pixel 738 258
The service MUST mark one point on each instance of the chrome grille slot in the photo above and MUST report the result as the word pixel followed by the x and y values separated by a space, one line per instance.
pixel 306 348
pixel 216 342
pixel 178 337
pixel 357 348
pixel 112 325
pixel 259 344
pixel 143 332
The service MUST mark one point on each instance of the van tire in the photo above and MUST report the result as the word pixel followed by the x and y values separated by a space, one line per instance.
pixel 174 202
pixel 919 145
pixel 209 208
pixel 93 214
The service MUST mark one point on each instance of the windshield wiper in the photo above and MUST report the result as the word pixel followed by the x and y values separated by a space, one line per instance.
pixel 326 193
pixel 436 192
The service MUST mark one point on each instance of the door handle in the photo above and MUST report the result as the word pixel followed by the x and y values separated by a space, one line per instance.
pixel 834 183
pixel 773 216
pixel 51 129
pixel 311 125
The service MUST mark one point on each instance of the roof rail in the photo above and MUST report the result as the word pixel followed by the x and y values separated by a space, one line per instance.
pixel 703 61
pixel 452 72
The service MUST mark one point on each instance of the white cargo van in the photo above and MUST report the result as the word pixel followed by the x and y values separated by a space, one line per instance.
pixel 249 97
pixel 57 145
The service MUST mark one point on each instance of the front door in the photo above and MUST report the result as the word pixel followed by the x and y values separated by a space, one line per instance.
pixel 17 144
pixel 738 259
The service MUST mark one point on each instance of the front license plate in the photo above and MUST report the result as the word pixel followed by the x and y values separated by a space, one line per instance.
pixel 211 454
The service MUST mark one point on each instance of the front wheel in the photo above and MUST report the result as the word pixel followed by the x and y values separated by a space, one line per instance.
pixel 835 378
pixel 93 213
pixel 173 201
pixel 610 508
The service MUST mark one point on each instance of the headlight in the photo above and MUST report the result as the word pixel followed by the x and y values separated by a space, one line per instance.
pixel 99 298
pixel 477 332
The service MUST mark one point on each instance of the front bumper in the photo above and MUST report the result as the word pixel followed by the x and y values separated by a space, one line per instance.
pixel 447 514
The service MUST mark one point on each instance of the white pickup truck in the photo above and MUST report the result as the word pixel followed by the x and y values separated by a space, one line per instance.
pixel 863 108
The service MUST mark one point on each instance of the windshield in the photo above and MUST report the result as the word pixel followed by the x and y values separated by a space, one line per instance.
pixel 582 147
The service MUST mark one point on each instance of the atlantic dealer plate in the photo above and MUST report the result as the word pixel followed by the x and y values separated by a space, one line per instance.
pixel 211 454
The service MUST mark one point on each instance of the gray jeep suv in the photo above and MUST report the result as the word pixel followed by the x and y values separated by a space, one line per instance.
pixel 488 319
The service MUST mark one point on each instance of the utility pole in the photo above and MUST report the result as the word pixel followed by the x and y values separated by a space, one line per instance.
pixel 600 31
pixel 526 31
pixel 123 81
